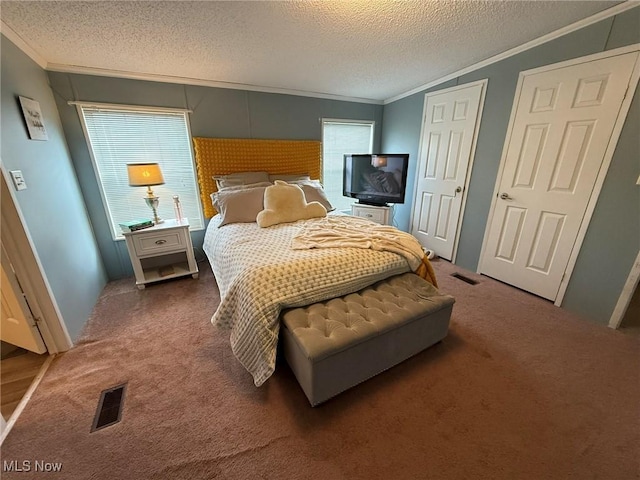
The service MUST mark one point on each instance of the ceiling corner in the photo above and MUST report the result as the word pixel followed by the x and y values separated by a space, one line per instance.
pixel 19 42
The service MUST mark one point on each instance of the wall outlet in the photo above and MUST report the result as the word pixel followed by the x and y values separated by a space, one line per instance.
pixel 18 180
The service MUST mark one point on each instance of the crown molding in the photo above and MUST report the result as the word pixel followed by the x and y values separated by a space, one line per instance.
pixel 8 32
pixel 42 62
pixel 150 77
pixel 609 12
pixel 56 67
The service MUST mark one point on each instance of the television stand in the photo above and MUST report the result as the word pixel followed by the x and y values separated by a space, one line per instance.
pixel 381 214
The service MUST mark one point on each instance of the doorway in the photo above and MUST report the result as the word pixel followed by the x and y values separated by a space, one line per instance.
pixel 631 317
pixel 561 137
pixel 22 349
pixel 30 317
pixel 17 323
pixel 626 314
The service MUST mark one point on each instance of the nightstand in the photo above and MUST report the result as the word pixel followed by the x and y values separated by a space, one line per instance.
pixel 381 215
pixel 161 252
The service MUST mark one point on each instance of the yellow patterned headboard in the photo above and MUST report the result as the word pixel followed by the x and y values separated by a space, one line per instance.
pixel 222 156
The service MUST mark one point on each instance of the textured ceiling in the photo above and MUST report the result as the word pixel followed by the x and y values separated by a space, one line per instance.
pixel 359 49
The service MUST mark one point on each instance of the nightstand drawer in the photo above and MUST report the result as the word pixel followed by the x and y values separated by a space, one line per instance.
pixel 152 244
pixel 375 214
pixel 372 215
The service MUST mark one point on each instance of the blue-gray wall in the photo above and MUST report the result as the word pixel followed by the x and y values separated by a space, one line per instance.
pixel 217 112
pixel 74 266
pixel 613 238
pixel 52 205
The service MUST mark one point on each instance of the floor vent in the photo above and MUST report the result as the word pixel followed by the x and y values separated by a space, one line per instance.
pixel 109 409
pixel 468 280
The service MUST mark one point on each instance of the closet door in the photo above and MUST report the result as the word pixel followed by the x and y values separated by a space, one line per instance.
pixel 449 129
pixel 560 131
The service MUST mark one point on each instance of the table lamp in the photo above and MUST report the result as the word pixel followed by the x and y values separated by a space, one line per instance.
pixel 147 175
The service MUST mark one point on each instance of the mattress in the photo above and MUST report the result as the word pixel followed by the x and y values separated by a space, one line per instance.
pixel 259 274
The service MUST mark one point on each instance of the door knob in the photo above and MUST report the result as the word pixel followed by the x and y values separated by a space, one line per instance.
pixel 458 190
pixel 505 196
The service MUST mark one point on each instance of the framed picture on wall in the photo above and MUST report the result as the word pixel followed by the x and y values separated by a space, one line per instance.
pixel 33 119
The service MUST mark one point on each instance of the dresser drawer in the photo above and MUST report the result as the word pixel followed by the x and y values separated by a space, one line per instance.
pixel 154 243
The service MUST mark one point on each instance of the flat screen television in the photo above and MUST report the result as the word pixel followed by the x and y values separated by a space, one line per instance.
pixel 375 179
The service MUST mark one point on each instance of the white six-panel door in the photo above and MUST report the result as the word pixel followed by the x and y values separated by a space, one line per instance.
pixel 561 129
pixel 450 122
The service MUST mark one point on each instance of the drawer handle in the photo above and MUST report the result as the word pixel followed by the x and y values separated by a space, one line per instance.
pixel 369 215
pixel 160 242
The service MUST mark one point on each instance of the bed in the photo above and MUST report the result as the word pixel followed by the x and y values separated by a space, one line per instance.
pixel 258 272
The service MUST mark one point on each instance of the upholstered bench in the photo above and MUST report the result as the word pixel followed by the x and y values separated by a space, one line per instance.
pixel 336 344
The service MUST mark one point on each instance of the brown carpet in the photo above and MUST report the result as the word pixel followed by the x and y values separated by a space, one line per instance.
pixel 519 389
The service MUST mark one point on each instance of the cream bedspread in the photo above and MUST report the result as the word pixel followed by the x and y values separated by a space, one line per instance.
pixel 356 232
pixel 259 274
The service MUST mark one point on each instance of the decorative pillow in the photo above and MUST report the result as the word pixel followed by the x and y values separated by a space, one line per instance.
pixel 241 178
pixel 284 203
pixel 239 206
pixel 314 192
pixel 290 178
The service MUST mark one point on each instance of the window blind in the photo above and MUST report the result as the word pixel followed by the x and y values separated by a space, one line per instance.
pixel 340 137
pixel 117 136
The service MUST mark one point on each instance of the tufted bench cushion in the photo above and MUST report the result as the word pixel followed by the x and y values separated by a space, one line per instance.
pixel 336 344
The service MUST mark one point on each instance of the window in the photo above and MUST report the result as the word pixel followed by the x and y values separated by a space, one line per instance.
pixel 118 135
pixel 340 137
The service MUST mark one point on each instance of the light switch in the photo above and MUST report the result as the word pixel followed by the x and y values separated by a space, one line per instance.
pixel 18 179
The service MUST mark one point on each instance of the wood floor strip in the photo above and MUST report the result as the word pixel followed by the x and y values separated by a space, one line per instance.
pixel 27 396
pixel 16 376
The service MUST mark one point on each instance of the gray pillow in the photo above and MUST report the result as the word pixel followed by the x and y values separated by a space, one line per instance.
pixel 249 185
pixel 239 206
pixel 241 178
pixel 314 192
pixel 303 177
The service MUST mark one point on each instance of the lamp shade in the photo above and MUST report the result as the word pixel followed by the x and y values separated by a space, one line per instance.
pixel 144 174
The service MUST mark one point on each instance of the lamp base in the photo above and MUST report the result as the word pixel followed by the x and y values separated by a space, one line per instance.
pixel 153 202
